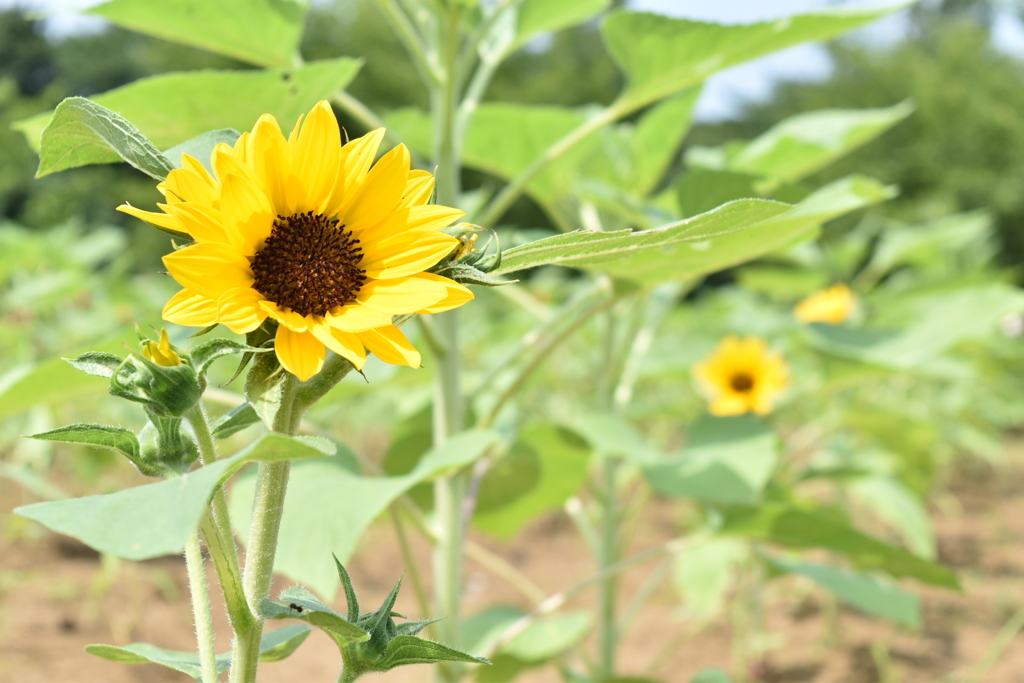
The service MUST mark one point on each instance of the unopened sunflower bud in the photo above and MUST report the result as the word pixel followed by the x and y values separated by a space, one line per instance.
pixel 161 352
pixel 165 390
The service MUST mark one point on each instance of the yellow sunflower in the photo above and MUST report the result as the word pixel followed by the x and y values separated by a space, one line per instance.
pixel 305 231
pixel 742 375
pixel 833 306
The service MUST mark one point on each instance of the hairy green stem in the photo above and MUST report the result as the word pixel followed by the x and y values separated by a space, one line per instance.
pixel 216 528
pixel 201 609
pixel 268 505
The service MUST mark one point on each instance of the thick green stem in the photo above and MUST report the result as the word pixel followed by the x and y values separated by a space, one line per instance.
pixel 449 492
pixel 201 609
pixel 268 505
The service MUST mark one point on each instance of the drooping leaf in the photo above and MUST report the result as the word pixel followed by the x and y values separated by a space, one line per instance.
pixel 660 55
pixel 729 235
pixel 211 100
pixel 863 591
pixel 263 32
pixel 561 458
pixel 234 421
pixel 805 526
pixel 82 132
pixel 800 145
pixel 274 646
pixel 726 460
pixel 342 504
pixel 156 519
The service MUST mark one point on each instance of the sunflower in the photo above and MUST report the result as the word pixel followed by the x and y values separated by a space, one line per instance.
pixel 311 234
pixel 833 306
pixel 742 375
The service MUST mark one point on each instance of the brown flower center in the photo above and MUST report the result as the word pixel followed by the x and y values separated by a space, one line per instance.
pixel 309 264
pixel 742 382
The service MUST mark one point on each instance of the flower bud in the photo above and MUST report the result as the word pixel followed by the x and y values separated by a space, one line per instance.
pixel 161 353
pixel 165 447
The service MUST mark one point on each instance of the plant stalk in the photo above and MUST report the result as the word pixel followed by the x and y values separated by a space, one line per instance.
pixel 608 554
pixel 201 609
pixel 268 505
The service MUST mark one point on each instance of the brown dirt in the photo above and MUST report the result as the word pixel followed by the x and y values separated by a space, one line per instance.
pixel 56 596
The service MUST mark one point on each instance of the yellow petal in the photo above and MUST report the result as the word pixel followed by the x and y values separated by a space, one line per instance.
pixel 316 158
pixel 728 405
pixel 191 163
pixel 390 345
pixel 356 318
pixel 421 219
pixel 397 258
pixel 300 353
pixel 345 344
pixel 161 220
pixel 185 185
pixel 418 189
pixel 356 157
pixel 190 309
pixel 247 214
pixel 239 310
pixel 457 294
pixel 209 269
pixel 400 296
pixel 268 155
pixel 285 316
pixel 379 193
pixel 201 221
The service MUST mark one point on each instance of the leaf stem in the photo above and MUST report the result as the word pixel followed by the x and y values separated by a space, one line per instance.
pixel 414 43
pixel 201 609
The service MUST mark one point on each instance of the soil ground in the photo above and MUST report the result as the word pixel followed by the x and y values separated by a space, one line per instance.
pixel 56 596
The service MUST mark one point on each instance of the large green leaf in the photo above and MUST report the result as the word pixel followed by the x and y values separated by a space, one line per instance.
pixel 726 460
pixel 274 646
pixel 156 519
pixel 541 641
pixel 731 234
pixel 328 507
pixel 82 132
pixel 806 526
pixel 863 591
pixel 938 322
pixel 264 32
pixel 209 100
pixel 800 145
pixel 661 55
pixel 561 460
pixel 541 16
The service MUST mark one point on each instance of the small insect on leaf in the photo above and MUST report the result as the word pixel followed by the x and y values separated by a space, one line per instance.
pixel 297 608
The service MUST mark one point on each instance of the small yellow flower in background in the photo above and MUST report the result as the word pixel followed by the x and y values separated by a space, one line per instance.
pixel 304 231
pixel 833 306
pixel 742 375
pixel 161 352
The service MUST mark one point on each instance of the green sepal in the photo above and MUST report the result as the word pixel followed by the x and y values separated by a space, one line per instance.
pixel 405 649
pixel 298 603
pixel 96 363
pixel 351 600
pixel 465 274
pixel 203 355
pixel 264 385
pixel 165 446
pixel 167 390
pixel 274 646
pixel 103 436
pixel 235 420
pixel 411 628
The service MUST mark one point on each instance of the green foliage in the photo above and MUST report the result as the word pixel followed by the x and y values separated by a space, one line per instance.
pixel 156 519
pixel 274 646
pixel 265 32
pixel 343 503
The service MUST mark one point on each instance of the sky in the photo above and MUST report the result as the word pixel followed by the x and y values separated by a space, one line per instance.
pixel 726 91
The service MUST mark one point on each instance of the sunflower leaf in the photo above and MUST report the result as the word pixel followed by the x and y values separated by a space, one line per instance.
pixel 117 439
pixel 82 132
pixel 404 650
pixel 235 420
pixel 207 352
pixel 468 275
